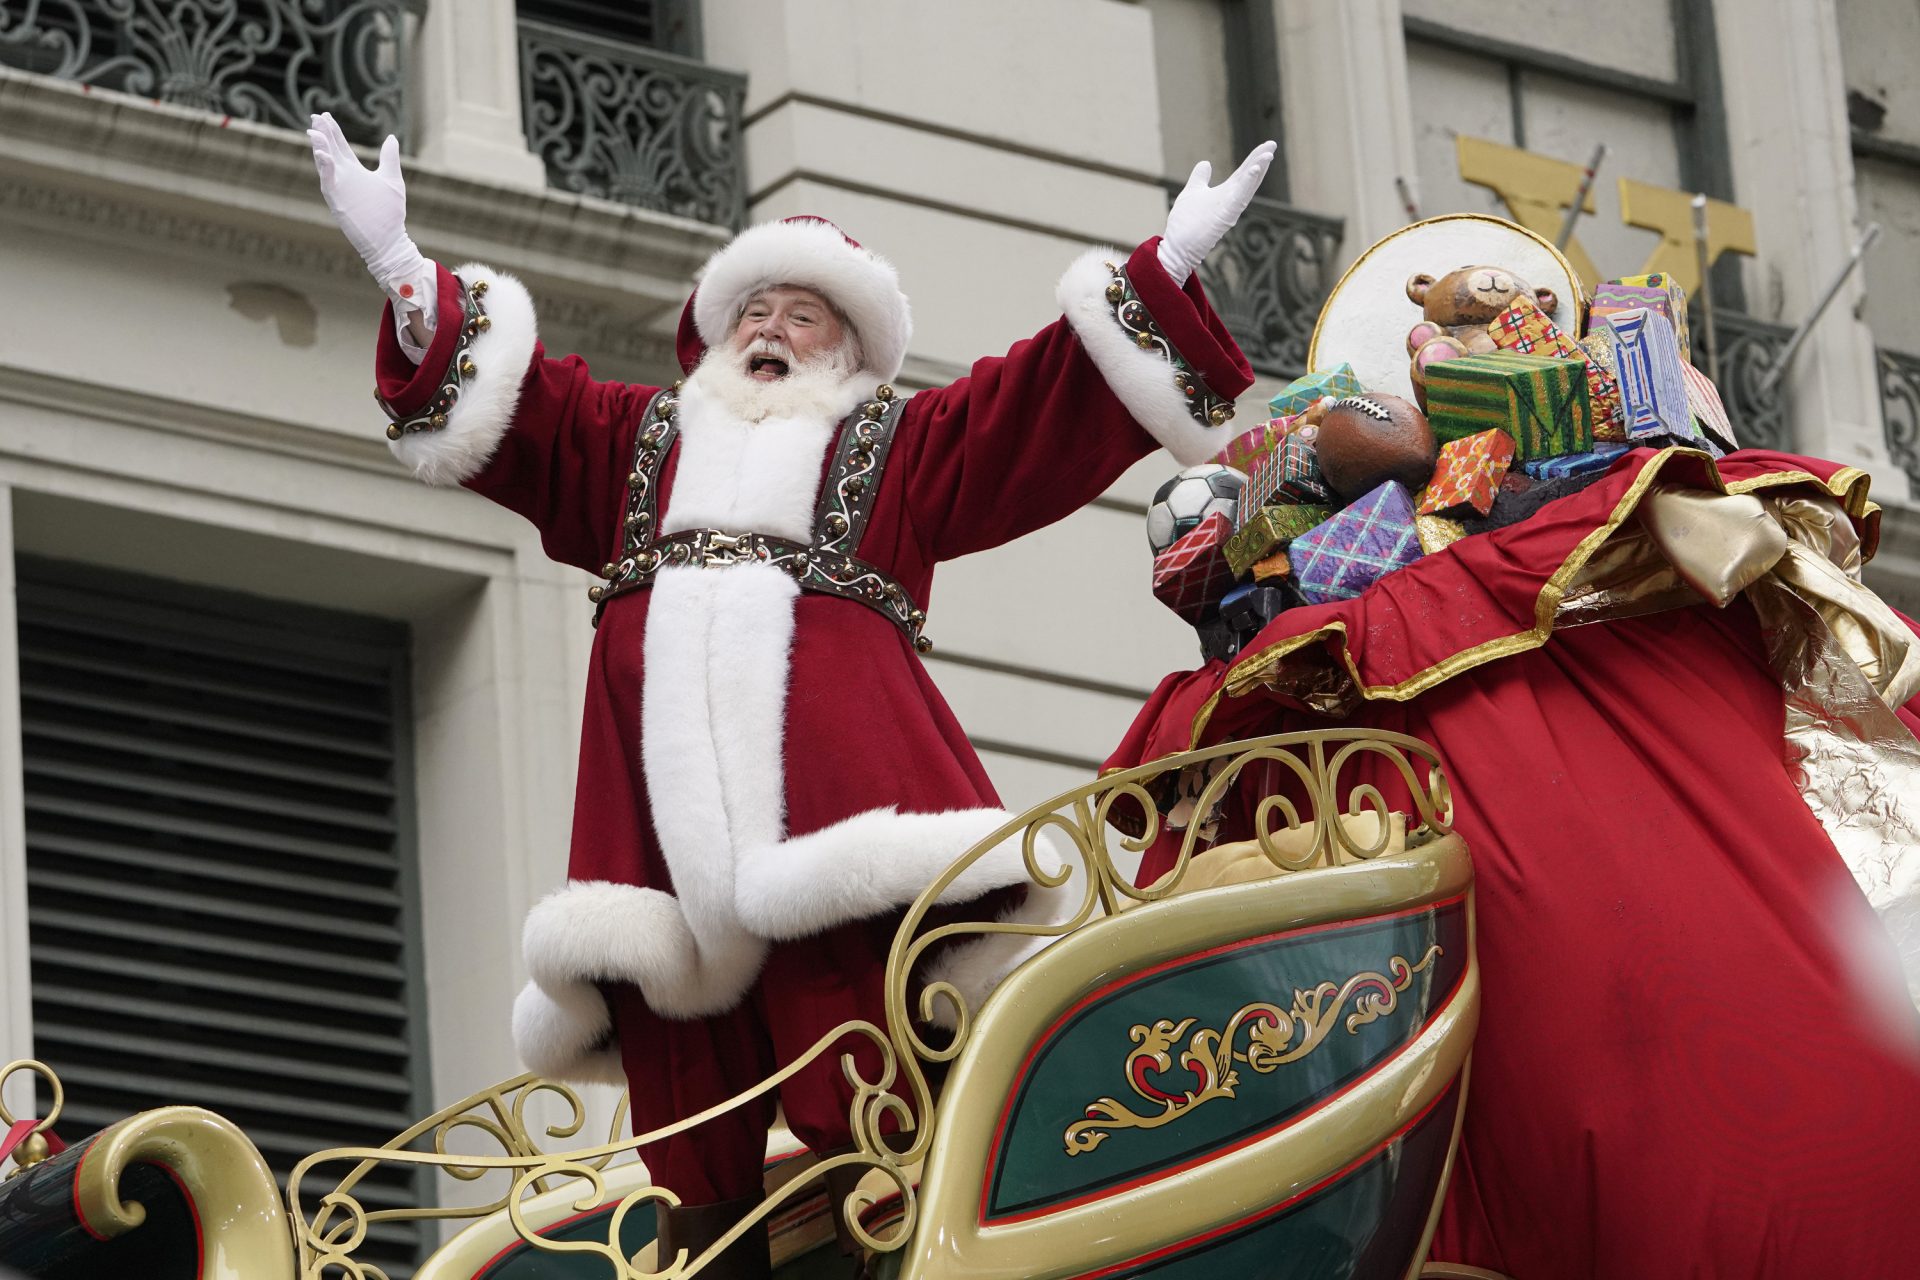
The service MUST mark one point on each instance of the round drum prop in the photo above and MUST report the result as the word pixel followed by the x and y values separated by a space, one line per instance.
pixel 1366 318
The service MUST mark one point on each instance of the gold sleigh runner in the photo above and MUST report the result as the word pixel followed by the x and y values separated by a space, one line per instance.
pixel 1210 1054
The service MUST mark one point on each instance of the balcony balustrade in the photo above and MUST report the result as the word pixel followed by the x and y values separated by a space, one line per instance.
pixel 1749 349
pixel 627 123
pixel 273 61
pixel 1900 406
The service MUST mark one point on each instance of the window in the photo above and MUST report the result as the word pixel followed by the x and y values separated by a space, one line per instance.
pixel 671 26
pixel 220 880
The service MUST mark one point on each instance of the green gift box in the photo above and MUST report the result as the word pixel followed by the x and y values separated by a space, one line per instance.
pixel 1269 530
pixel 1300 394
pixel 1541 401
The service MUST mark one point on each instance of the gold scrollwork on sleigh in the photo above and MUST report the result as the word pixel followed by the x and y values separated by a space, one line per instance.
pixel 1274 1038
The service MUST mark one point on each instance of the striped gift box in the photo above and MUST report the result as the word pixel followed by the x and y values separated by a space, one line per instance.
pixel 1360 545
pixel 1653 388
pixel 1525 328
pixel 1269 530
pixel 1300 394
pixel 1574 464
pixel 1655 291
pixel 1541 401
pixel 1709 413
pixel 1247 448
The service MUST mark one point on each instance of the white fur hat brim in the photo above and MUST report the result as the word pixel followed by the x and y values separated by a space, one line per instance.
pixel 814 254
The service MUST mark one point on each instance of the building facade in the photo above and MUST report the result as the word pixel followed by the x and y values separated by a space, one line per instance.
pixel 287 740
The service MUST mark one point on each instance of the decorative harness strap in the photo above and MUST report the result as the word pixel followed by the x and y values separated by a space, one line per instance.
pixel 840 518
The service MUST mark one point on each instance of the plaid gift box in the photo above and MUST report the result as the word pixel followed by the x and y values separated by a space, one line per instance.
pixel 1356 548
pixel 1541 401
pixel 1302 392
pixel 1291 473
pixel 1190 576
pixel 1709 414
pixel 1525 328
pixel 1247 448
pixel 1574 464
pixel 1436 533
pixel 1653 390
pixel 1656 291
pixel 1270 529
pixel 1468 473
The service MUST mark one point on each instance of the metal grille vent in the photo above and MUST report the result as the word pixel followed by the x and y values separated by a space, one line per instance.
pixel 219 866
pixel 657 24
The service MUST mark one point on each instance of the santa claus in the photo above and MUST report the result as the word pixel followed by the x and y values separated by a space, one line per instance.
pixel 767 774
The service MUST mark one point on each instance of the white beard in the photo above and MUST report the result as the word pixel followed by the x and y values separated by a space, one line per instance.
pixel 813 389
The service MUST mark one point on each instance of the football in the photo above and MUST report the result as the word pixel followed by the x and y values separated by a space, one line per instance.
pixel 1190 497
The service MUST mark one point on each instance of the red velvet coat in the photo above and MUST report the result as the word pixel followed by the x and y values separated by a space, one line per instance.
pixel 757 763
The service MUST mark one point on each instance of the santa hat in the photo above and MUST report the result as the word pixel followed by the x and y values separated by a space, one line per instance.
pixel 814 254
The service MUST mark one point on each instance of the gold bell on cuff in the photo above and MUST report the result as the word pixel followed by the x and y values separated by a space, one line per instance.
pixel 596 594
pixel 394 431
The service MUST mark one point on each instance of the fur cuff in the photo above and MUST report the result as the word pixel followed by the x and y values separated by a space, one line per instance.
pixel 873 863
pixel 1140 378
pixel 597 931
pixel 480 417
pixel 566 1034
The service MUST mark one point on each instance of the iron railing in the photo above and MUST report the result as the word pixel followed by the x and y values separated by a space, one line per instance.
pixel 1268 278
pixel 1900 406
pixel 627 123
pixel 274 61
pixel 1749 349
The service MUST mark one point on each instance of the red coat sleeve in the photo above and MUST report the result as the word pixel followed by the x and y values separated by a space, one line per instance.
pixel 539 436
pixel 1032 436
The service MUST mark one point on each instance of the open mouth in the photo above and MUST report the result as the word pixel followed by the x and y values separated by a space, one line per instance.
pixel 767 368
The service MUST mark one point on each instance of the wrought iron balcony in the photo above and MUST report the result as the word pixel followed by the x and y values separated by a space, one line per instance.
pixel 274 61
pixel 1900 405
pixel 627 123
pixel 1749 349
pixel 1268 278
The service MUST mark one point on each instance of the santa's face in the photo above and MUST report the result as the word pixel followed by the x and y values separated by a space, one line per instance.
pixel 783 327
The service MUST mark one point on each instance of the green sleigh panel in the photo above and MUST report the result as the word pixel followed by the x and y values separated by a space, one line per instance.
pixel 1263 1078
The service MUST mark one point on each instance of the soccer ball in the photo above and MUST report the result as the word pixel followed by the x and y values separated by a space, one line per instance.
pixel 1190 497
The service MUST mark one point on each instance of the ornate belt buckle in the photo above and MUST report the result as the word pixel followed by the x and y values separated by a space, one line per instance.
pixel 728 548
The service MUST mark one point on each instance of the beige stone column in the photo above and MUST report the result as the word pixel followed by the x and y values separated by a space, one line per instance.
pixel 1793 167
pixel 463 100
pixel 1349 124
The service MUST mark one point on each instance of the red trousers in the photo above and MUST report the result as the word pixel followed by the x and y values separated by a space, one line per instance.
pixel 676 1069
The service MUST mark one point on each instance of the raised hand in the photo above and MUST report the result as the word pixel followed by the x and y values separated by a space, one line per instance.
pixel 369 204
pixel 1202 214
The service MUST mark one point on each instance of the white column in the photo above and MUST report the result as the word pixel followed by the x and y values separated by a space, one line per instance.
pixel 16 991
pixel 464 99
pixel 1793 167
pixel 1349 123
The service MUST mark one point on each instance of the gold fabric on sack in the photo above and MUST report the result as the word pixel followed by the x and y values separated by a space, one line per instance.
pixel 1845 661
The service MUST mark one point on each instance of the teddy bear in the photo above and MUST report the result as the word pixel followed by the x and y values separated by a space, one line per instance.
pixel 1455 310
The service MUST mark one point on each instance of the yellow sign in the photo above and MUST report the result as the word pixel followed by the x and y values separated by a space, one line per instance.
pixel 1538 190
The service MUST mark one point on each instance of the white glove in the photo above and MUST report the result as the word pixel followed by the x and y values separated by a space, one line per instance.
pixel 1201 214
pixel 371 207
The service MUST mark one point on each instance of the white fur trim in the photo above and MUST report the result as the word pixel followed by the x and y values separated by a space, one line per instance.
pixel 566 1034
pixel 977 966
pixel 861 283
pixel 484 411
pixel 1142 380
pixel 872 863
pixel 760 477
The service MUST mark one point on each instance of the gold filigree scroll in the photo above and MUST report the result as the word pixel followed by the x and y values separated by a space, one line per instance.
pixel 1274 1038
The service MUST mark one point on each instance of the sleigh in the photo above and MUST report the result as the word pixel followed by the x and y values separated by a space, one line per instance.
pixel 1255 1065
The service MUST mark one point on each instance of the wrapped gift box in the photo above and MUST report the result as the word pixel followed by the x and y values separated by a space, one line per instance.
pixel 1573 464
pixel 1190 576
pixel 1248 609
pixel 1245 450
pixel 1467 474
pixel 1525 328
pixel 1270 529
pixel 1709 413
pixel 1357 547
pixel 1597 346
pixel 1656 291
pixel 1436 533
pixel 1653 390
pixel 1541 401
pixel 1291 473
pixel 1302 392
pixel 1274 567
